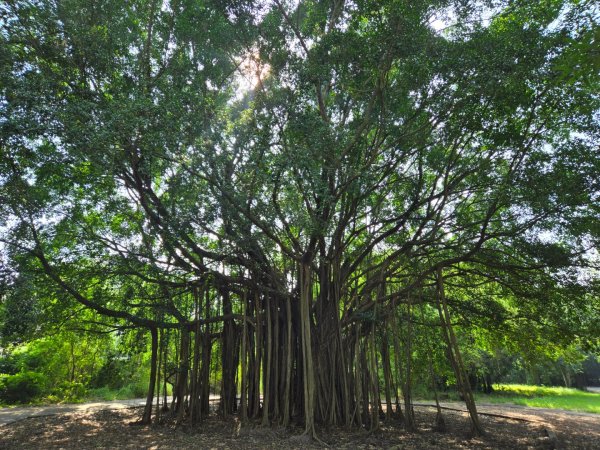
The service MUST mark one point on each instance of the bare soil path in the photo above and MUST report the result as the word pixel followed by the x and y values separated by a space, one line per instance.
pixel 567 426
pixel 111 425
pixel 14 414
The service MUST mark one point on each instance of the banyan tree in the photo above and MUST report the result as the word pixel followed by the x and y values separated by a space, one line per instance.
pixel 298 201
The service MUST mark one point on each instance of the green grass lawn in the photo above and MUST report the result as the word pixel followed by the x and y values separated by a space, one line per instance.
pixel 544 397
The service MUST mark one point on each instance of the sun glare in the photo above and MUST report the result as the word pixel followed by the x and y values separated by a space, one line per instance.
pixel 251 72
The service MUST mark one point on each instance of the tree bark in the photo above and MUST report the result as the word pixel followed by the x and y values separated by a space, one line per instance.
pixel 183 370
pixel 244 388
pixel 454 352
pixel 307 358
pixel 229 358
pixel 267 365
pixel 288 363
pixel 147 416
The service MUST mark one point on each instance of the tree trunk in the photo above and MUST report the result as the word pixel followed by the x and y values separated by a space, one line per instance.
pixel 147 416
pixel 229 359
pixel 258 347
pixel 276 362
pixel 161 343
pixel 182 376
pixel 267 365
pixel 456 358
pixel 440 424
pixel 288 363
pixel 194 407
pixel 204 383
pixel 398 361
pixel 387 374
pixel 307 358
pixel 244 388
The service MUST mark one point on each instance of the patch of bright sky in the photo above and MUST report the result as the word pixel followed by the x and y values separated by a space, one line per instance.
pixel 445 19
pixel 251 71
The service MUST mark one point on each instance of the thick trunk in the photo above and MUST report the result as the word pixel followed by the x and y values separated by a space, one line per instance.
pixel 333 399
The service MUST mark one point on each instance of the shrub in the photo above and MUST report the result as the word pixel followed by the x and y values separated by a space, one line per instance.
pixel 8 365
pixel 22 387
pixel 139 389
pixel 115 373
pixel 103 393
pixel 132 390
pixel 70 391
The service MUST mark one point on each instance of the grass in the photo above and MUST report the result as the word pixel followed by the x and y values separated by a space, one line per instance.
pixel 544 397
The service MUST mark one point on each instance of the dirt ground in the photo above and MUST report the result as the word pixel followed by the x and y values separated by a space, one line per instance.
pixel 117 429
